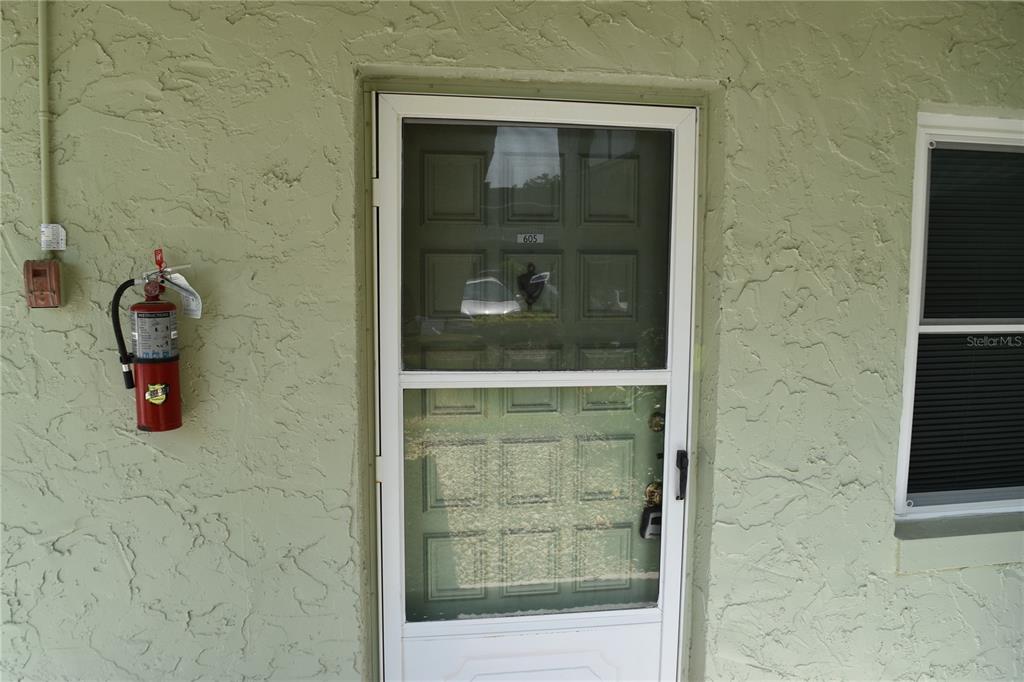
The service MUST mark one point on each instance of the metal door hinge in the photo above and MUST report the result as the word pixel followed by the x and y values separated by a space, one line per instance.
pixel 375 191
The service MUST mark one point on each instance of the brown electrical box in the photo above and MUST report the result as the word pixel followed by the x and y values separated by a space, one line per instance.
pixel 42 283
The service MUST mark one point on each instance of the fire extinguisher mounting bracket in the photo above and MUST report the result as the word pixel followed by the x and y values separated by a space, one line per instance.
pixel 191 303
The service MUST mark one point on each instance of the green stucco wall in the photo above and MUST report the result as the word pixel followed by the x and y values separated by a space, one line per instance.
pixel 232 135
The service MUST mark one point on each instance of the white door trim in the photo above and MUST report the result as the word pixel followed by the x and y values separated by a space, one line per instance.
pixel 391 109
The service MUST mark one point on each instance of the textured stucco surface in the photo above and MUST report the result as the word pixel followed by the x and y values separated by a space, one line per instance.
pixel 235 548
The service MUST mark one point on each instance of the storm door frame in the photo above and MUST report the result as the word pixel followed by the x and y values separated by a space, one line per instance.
pixel 678 376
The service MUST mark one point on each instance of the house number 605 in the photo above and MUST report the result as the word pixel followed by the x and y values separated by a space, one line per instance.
pixel 531 238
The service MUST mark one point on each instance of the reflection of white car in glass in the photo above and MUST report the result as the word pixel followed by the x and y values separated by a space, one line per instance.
pixel 609 301
pixel 619 303
pixel 488 296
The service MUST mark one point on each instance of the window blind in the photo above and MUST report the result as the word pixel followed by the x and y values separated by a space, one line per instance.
pixel 974 265
pixel 968 428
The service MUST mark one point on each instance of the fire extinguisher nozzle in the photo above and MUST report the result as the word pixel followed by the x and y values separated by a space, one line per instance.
pixel 126 373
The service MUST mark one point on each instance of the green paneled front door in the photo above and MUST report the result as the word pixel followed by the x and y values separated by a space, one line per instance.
pixel 532 248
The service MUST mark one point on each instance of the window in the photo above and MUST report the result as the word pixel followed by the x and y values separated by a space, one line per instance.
pixel 962 435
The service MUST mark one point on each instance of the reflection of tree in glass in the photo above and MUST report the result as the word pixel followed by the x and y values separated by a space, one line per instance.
pixel 543 180
pixel 535 196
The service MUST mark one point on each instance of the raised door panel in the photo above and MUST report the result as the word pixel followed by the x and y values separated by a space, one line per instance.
pixel 453 188
pixel 531 399
pixel 608 286
pixel 573 655
pixel 609 191
pixel 533 188
pixel 530 562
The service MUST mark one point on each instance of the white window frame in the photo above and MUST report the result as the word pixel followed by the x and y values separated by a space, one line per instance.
pixel 931 129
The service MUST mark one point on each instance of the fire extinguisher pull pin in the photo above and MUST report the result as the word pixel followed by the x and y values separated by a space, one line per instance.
pixel 162 273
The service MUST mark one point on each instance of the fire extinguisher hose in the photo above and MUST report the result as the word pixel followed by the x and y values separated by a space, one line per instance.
pixel 125 356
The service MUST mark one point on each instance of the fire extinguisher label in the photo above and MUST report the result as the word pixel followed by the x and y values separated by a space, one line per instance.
pixel 157 393
pixel 155 335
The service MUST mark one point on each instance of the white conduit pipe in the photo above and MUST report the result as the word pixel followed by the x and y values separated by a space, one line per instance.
pixel 44 114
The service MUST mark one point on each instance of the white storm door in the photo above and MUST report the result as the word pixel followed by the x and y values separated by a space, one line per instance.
pixel 534 293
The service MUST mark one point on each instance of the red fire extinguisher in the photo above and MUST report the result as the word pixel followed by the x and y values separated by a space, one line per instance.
pixel 154 346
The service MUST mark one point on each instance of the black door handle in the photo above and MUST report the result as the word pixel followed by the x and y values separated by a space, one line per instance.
pixel 683 464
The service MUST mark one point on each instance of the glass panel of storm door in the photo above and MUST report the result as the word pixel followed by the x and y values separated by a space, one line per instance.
pixel 553 240
pixel 529 500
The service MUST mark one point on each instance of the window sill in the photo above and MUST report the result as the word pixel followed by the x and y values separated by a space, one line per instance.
pixel 909 528
pixel 947 543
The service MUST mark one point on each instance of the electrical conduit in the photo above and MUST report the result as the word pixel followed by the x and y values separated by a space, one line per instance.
pixel 44 113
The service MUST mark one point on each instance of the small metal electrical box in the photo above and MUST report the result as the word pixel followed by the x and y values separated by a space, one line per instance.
pixel 42 283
